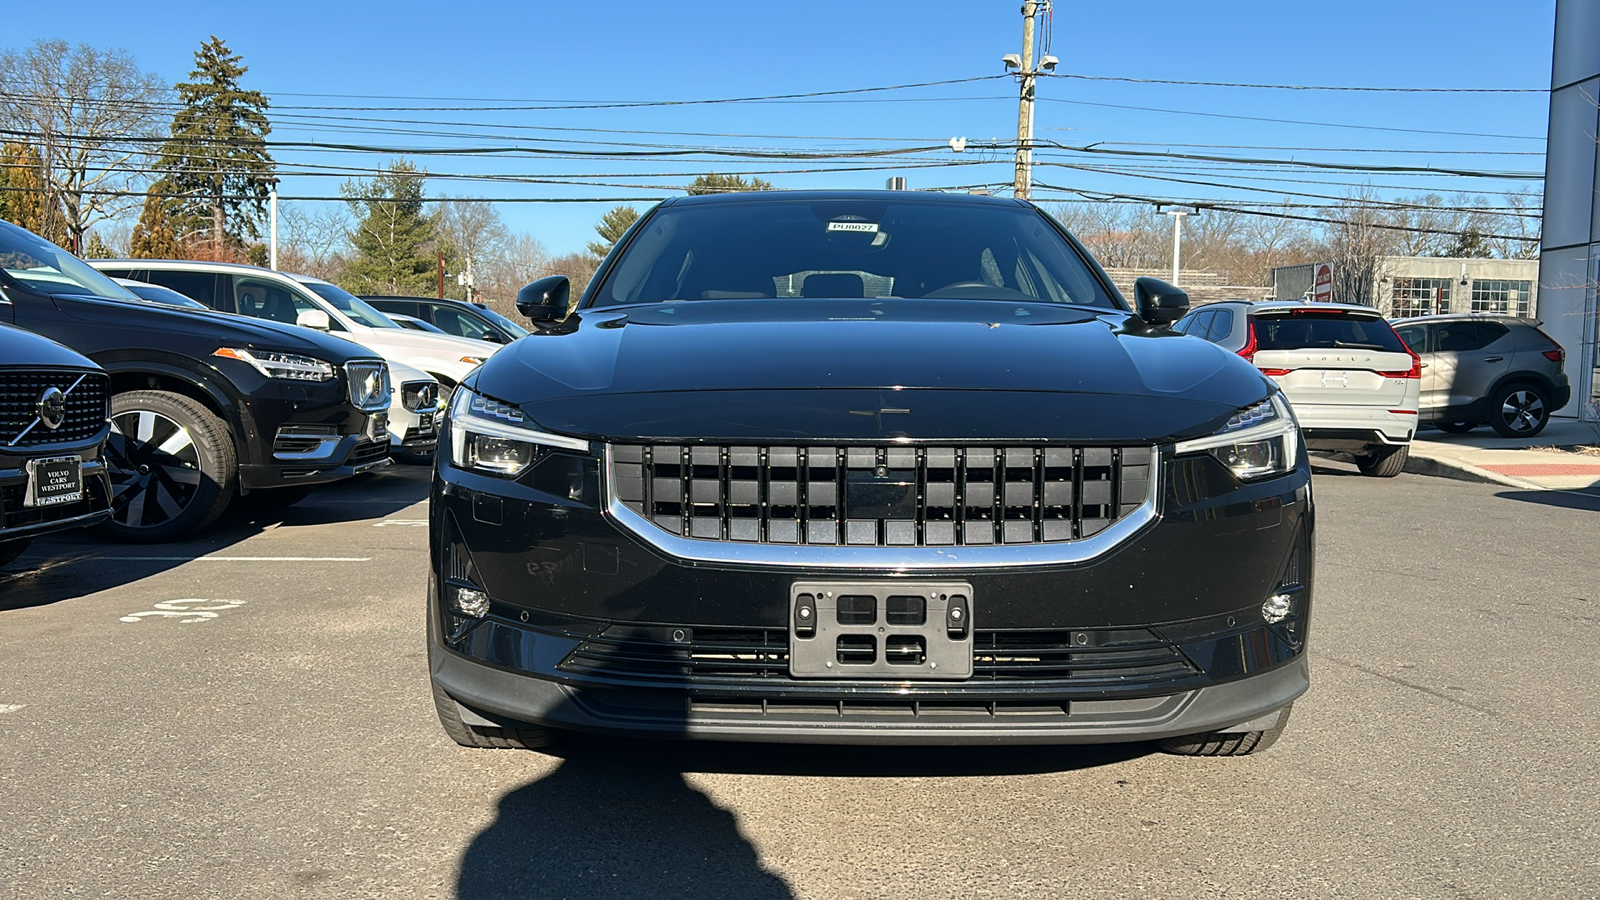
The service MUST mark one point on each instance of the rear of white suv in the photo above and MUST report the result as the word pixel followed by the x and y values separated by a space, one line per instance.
pixel 1352 381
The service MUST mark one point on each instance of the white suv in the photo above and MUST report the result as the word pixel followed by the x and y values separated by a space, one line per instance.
pixel 1353 383
pixel 302 300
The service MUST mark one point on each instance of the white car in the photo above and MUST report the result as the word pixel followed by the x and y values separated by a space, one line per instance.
pixel 312 302
pixel 414 414
pixel 1352 382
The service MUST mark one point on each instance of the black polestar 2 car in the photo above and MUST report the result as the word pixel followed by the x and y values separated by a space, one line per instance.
pixel 867 467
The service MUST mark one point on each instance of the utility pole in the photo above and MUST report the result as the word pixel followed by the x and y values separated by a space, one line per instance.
pixel 1177 239
pixel 1025 104
pixel 272 216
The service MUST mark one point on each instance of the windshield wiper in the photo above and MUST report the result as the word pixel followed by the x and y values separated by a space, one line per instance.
pixel 1347 345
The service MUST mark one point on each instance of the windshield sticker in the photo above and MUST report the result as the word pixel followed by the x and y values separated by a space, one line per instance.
pixel 863 227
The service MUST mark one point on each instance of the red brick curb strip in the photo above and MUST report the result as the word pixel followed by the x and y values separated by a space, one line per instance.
pixel 1527 470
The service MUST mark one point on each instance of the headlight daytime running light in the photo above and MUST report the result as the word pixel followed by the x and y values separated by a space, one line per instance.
pixel 1260 441
pixel 496 438
pixel 287 366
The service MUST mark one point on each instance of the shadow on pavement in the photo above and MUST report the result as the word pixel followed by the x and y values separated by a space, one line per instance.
pixel 77 563
pixel 1588 499
pixel 610 825
pixel 618 820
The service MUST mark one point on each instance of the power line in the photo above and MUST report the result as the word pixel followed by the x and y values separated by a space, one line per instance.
pixel 1301 87
pixel 1212 115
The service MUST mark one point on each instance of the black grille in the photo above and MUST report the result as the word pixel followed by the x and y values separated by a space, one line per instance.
pixel 1080 658
pixel 368 451
pixel 885 496
pixel 419 396
pixel 19 404
pixel 14 515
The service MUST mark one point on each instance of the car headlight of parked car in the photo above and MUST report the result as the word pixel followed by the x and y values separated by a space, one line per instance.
pixel 289 366
pixel 498 439
pixel 1259 441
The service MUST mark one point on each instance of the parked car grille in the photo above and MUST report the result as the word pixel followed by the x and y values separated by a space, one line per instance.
pixel 883 496
pixel 419 396
pixel 369 384
pixel 368 451
pixel 1076 658
pixel 14 515
pixel 20 391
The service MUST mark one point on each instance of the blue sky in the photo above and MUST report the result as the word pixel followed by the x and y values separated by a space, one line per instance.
pixel 642 51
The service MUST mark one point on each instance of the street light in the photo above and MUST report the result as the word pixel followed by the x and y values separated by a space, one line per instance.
pixel 1177 236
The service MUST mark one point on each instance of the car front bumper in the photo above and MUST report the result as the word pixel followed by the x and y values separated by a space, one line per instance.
pixel 19 522
pixel 1161 635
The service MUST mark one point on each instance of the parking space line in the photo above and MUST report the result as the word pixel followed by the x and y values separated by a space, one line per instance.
pixel 10 707
pixel 238 558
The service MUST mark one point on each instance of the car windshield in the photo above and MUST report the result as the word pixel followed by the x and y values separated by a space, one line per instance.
pixel 505 323
pixel 1329 330
pixel 851 247
pixel 350 304
pixel 48 269
pixel 155 293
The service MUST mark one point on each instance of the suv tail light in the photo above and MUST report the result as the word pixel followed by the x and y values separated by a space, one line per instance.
pixel 1555 353
pixel 1416 366
pixel 1248 351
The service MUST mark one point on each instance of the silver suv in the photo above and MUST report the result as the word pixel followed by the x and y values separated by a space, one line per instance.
pixel 1479 368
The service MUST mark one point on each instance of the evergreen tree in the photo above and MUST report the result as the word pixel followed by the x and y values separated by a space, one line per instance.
pixel 217 159
pixel 723 184
pixel 395 243
pixel 154 235
pixel 25 201
pixel 611 228
pixel 97 248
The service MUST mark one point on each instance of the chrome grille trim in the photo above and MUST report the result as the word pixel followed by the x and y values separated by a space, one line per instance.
pixel 356 374
pixel 1134 518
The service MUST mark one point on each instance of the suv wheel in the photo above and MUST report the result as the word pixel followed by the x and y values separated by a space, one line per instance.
pixel 1229 743
pixel 172 466
pixel 1519 410
pixel 1383 461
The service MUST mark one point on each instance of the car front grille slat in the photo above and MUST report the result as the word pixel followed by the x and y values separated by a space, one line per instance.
pixel 20 391
pixel 881 496
pixel 1075 658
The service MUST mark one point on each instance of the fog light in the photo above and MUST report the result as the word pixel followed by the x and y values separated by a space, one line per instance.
pixel 476 603
pixel 1276 608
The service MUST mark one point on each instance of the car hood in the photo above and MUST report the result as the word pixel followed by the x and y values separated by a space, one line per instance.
pixel 225 328
pixel 864 369
pixel 25 349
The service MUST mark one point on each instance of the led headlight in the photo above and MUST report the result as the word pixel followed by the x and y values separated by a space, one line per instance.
pixel 496 438
pixel 288 366
pixel 1259 441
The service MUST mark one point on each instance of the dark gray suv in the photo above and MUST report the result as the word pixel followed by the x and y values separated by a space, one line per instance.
pixel 1479 368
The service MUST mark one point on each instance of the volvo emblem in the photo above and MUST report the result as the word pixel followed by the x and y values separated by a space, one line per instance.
pixel 52 408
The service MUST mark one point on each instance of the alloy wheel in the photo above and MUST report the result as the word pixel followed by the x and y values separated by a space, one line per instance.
pixel 1523 411
pixel 154 467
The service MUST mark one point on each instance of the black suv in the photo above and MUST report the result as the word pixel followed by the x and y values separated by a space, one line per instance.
pixel 867 467
pixel 204 406
pixel 52 434
pixel 456 317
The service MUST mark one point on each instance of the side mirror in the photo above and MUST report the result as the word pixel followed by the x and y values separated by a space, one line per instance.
pixel 545 300
pixel 313 318
pixel 1158 302
pixel 492 337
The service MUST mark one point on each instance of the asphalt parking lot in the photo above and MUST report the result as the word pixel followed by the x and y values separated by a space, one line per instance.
pixel 249 716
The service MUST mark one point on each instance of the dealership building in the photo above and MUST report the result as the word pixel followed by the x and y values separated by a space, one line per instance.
pixel 1425 285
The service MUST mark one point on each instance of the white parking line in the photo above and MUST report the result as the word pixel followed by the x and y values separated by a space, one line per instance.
pixel 10 707
pixel 239 558
pixel 409 523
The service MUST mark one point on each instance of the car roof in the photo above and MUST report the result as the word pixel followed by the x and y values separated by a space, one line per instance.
pixel 803 196
pixel 183 263
pixel 1275 305
pixel 1464 316
pixel 418 299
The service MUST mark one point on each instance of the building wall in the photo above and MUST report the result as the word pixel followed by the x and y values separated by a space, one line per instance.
pixel 1569 261
pixel 1418 285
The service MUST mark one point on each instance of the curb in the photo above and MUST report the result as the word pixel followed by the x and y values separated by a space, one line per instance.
pixel 1460 471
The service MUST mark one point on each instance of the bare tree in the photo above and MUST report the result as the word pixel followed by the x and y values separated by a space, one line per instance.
pixel 315 239
pixel 1356 242
pixel 78 106
pixel 513 263
pixel 471 228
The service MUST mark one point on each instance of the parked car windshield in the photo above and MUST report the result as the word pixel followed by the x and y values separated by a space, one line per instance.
pixel 1303 330
pixel 351 305
pixel 845 247
pixel 48 269
pixel 515 330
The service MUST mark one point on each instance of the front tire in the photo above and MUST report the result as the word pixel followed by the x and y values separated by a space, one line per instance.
pixel 1229 743
pixel 1383 461
pixel 1519 410
pixel 172 465
pixel 526 737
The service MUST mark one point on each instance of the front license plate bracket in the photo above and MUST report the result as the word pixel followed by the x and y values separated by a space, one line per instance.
pixel 880 630
pixel 54 480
